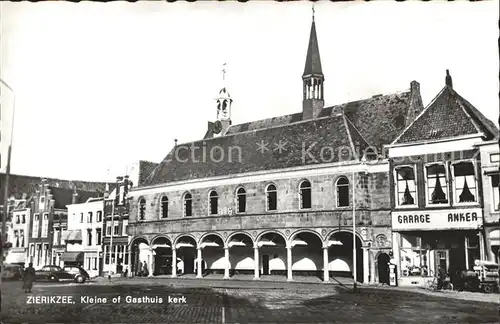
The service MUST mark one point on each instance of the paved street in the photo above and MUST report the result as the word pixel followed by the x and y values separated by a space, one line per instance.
pixel 221 301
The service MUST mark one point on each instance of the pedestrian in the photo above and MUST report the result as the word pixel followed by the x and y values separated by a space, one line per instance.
pixel 441 277
pixel 145 270
pixel 28 278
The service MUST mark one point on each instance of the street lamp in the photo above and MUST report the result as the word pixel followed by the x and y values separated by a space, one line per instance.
pixel 6 185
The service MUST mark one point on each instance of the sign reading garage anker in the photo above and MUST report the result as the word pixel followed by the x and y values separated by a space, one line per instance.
pixel 466 218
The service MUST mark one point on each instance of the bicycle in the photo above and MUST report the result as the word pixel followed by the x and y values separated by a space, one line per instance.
pixel 432 285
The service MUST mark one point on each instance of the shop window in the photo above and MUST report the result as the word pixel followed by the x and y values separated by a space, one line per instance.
pixel 414 257
pixel 406 186
pixel 164 207
pixel 464 182
pixel 271 197
pixel 305 194
pixel 241 197
pixel 496 193
pixel 472 245
pixel 342 192
pixel 188 205
pixel 437 184
pixel 142 209
pixel 213 203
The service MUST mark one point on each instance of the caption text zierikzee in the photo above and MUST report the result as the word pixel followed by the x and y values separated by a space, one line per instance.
pixel 105 300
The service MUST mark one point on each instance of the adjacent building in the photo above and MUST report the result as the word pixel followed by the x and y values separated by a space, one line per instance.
pixel 83 238
pixel 490 177
pixel 17 229
pixel 438 188
pixel 277 196
pixel 49 221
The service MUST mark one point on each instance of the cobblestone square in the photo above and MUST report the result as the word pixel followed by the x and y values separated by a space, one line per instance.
pixel 239 302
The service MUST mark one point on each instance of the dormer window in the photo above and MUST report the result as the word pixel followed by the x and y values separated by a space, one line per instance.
pixel 214 203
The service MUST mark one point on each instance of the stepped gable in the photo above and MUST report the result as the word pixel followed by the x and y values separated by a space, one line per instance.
pixel 20 184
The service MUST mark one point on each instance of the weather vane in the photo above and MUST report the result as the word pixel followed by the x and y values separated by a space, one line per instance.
pixel 313 11
pixel 224 71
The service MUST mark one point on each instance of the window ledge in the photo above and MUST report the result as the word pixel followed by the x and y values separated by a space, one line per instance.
pixel 406 206
pixel 476 204
pixel 437 205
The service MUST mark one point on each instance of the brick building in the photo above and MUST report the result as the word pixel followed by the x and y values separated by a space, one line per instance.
pixel 276 196
pixel 49 217
pixel 17 229
pixel 437 189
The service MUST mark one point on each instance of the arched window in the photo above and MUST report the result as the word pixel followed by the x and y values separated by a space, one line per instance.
pixel 271 197
pixel 142 209
pixel 188 205
pixel 342 192
pixel 305 194
pixel 164 207
pixel 241 200
pixel 214 203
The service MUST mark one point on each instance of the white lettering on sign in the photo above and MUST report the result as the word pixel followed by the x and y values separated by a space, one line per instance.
pixel 438 219
pixel 225 211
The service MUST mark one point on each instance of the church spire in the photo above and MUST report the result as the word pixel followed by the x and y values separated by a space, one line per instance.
pixel 312 78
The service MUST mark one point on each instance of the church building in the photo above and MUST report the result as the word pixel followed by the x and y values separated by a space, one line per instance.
pixel 287 196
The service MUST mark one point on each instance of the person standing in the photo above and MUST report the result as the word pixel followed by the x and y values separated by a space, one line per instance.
pixel 441 277
pixel 145 270
pixel 28 278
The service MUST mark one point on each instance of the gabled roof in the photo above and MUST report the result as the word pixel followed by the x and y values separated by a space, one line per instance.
pixel 313 60
pixel 310 136
pixel 20 184
pixel 63 197
pixel 378 119
pixel 447 116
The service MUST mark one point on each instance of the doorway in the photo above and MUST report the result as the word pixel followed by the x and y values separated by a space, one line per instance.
pixel 265 264
pixel 443 259
pixel 383 268
pixel 188 264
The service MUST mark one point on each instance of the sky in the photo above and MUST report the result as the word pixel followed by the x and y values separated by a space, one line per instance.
pixel 101 85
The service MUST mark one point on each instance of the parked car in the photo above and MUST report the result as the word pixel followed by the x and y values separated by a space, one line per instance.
pixel 56 273
pixel 12 272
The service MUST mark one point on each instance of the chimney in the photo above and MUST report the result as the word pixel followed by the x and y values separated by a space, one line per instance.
pixel 415 104
pixel 106 190
pixel 125 185
pixel 75 196
pixel 449 81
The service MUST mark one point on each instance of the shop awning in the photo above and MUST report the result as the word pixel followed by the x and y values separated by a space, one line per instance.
pixel 73 235
pixel 72 257
pixel 495 238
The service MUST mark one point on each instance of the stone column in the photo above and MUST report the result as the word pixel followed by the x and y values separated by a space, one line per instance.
pixel 130 272
pixel 396 238
pixel 366 265
pixel 466 245
pixel 199 263
pixel 482 254
pixel 150 262
pixel 174 262
pixel 289 276
pixel 226 264
pixel 372 266
pixel 326 272
pixel 153 253
pixel 256 262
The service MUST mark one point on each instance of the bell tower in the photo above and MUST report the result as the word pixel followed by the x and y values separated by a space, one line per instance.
pixel 224 103
pixel 313 78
